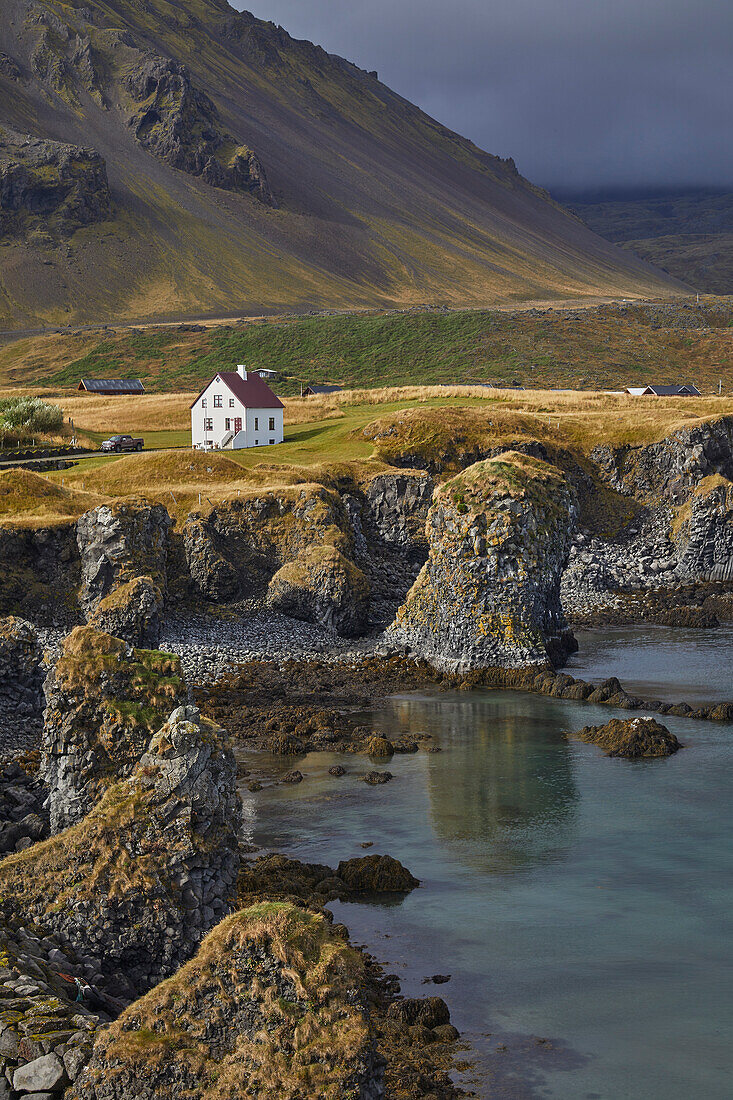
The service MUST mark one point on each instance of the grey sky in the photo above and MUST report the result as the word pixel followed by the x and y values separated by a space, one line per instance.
pixel 580 92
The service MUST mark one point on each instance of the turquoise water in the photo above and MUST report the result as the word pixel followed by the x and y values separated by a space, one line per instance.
pixel 572 898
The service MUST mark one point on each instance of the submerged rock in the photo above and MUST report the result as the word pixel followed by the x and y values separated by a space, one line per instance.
pixel 631 737
pixel 151 868
pixel 270 1006
pixel 376 874
pixel 489 593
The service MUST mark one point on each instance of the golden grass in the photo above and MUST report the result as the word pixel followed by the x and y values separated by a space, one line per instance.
pixel 28 499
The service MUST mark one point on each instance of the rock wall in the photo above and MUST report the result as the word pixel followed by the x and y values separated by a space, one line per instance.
pixel 21 670
pixel 138 882
pixel 119 544
pixel 272 1005
pixel 703 533
pixel 103 702
pixel 488 595
pixel 39 574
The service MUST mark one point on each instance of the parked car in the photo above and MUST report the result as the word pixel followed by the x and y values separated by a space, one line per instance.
pixel 122 443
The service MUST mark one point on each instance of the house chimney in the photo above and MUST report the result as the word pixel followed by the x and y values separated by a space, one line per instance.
pixel 242 371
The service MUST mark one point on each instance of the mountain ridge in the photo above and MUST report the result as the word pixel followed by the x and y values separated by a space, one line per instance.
pixel 249 171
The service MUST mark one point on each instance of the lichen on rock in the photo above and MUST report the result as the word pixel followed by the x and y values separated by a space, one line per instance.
pixel 488 595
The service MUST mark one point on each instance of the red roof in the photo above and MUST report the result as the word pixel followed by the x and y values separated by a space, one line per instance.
pixel 252 391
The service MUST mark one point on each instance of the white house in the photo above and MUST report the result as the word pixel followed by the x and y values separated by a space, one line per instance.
pixel 236 409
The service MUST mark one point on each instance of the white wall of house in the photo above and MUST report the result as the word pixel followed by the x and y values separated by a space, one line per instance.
pixel 220 420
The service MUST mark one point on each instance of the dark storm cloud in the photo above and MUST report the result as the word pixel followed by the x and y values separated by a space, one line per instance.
pixel 580 92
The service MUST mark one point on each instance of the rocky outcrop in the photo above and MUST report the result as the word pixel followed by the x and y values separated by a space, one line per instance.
pixel 631 737
pixel 46 1035
pixel 62 187
pixel 275 876
pixel 703 533
pixel 21 670
pixel 322 586
pixel 103 702
pixel 488 595
pixel 669 470
pixel 151 868
pixel 398 508
pixel 181 125
pixel 134 611
pixel 270 1006
pixel 118 544
pixel 237 548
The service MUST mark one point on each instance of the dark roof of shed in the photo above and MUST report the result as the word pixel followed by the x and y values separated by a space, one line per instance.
pixel 252 391
pixel 117 385
pixel 316 388
pixel 673 391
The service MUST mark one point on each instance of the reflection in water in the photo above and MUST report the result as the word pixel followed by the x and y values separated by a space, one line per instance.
pixel 512 789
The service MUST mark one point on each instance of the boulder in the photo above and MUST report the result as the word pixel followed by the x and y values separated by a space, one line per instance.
pixel 376 875
pixel 427 1012
pixel 104 700
pixel 325 587
pixel 151 868
pixel 488 595
pixel 631 738
pixel 322 586
pixel 272 1005
pixel 380 746
pixel 134 611
pixel 119 543
pixel 236 548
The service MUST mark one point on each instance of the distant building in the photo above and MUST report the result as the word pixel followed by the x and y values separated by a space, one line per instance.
pixel 314 390
pixel 111 387
pixel 236 409
pixel 663 391
pixel 264 372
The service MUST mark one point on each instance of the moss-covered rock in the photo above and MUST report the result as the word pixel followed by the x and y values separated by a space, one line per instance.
pixel 322 586
pixel 488 595
pixel 376 874
pixel 270 1006
pixel 151 868
pixel 631 737
pixel 237 547
pixel 133 611
pixel 104 700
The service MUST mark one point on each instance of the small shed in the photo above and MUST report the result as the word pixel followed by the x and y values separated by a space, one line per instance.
pixel 663 391
pixel 111 387
pixel 315 389
pixel 264 372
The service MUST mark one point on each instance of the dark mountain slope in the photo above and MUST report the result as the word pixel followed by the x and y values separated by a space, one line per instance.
pixel 687 233
pixel 251 171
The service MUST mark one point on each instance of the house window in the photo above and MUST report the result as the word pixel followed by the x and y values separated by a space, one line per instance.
pixel 203 403
pixel 231 402
pixel 272 441
pixel 217 400
pixel 272 423
pixel 257 423
pixel 227 424
pixel 208 424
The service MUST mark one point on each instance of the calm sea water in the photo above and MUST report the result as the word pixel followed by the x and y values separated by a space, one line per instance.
pixel 581 905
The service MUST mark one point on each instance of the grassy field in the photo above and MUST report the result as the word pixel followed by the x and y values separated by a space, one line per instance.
pixel 351 435
pixel 606 347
